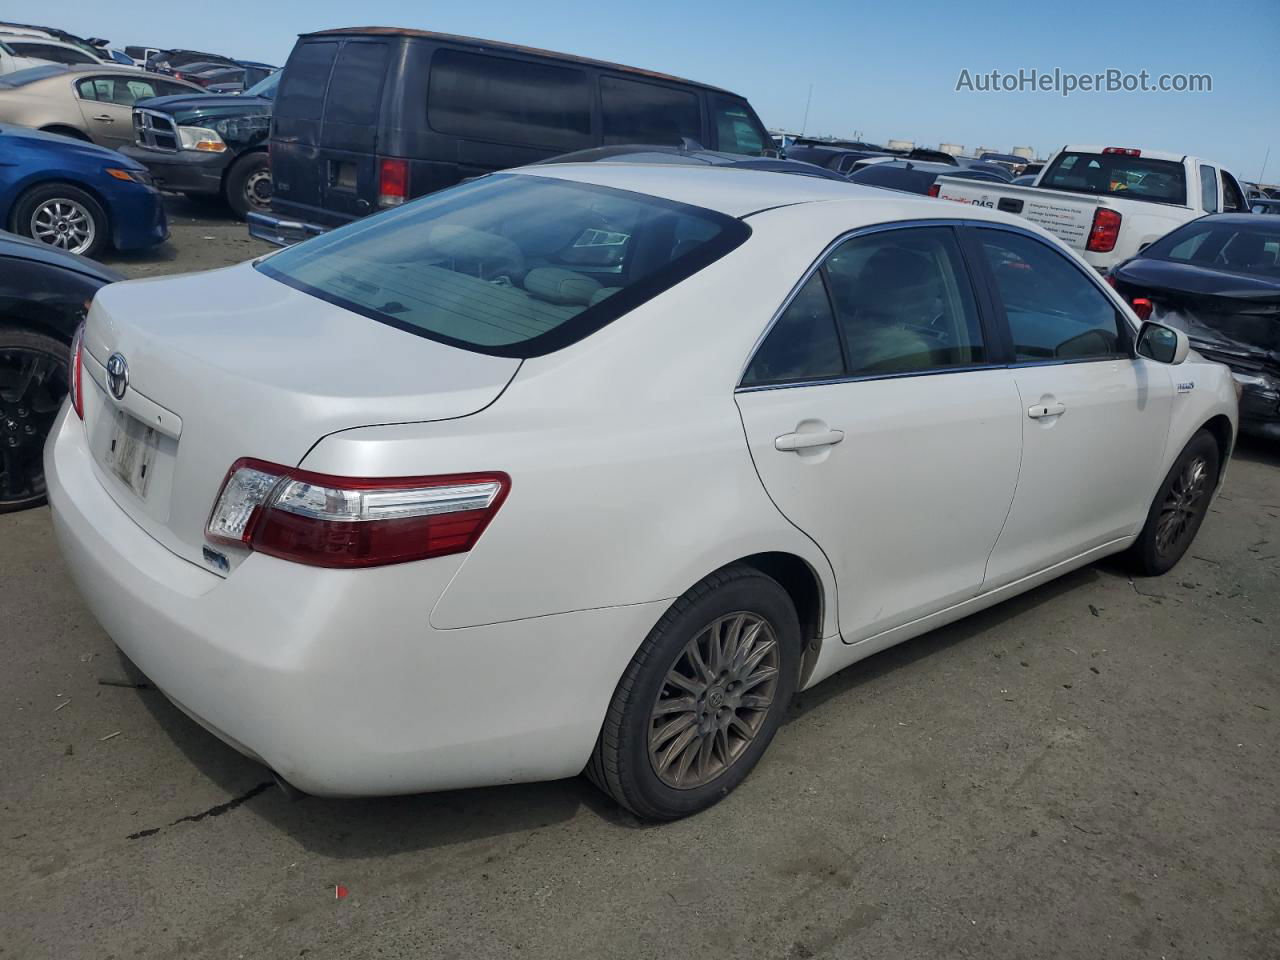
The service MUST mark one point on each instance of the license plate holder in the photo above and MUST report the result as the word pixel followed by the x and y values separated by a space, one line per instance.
pixel 131 453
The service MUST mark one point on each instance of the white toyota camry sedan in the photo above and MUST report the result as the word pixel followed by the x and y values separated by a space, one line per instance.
pixel 594 466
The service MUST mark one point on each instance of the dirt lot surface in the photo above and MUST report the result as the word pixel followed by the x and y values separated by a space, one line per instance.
pixel 1091 770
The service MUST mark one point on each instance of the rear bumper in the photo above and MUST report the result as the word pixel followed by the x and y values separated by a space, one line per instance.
pixel 335 679
pixel 187 171
pixel 281 230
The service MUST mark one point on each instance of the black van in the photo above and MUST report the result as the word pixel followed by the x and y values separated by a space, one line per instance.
pixel 369 117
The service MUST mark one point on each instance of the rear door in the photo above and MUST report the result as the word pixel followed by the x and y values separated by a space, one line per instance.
pixel 297 175
pixel 882 428
pixel 106 104
pixel 1095 417
pixel 349 134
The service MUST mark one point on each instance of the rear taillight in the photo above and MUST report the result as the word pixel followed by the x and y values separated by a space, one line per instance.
pixel 934 189
pixel 329 521
pixel 1104 232
pixel 75 372
pixel 393 181
pixel 1142 307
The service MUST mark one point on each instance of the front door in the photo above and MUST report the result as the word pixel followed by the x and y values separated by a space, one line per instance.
pixel 1095 417
pixel 880 429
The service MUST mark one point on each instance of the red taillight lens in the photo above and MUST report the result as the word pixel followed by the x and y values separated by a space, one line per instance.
pixel 330 521
pixel 393 181
pixel 1142 307
pixel 1110 279
pixel 75 372
pixel 934 189
pixel 1105 231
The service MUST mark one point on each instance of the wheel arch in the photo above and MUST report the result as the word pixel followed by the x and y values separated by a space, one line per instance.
pixel 67 130
pixel 804 586
pixel 245 154
pixel 1220 427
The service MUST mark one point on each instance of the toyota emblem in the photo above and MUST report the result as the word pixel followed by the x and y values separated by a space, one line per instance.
pixel 117 375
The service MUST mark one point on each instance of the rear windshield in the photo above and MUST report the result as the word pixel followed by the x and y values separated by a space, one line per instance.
pixel 1136 178
pixel 894 178
pixel 1241 248
pixel 510 265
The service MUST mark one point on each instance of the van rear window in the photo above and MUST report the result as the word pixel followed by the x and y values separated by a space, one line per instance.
pixel 511 265
pixel 306 76
pixel 1136 178
pixel 356 87
pixel 481 97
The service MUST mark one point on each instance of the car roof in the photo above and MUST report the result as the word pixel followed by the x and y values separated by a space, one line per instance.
pixel 510 48
pixel 739 192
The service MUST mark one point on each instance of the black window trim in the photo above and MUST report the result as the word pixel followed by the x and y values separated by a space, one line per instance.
pixel 1125 330
pixel 582 325
pixel 980 299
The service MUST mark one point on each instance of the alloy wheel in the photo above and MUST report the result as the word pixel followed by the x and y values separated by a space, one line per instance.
pixel 64 224
pixel 1182 506
pixel 32 385
pixel 714 700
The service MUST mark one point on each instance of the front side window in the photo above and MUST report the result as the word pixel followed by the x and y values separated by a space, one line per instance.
pixel 1054 311
pixel 1233 200
pixel 481 97
pixel 1139 178
pixel 636 112
pixel 510 265
pixel 737 128
pixel 1208 189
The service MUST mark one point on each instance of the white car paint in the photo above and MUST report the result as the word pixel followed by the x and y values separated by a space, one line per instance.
pixel 637 468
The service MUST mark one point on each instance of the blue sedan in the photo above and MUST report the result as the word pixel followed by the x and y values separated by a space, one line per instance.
pixel 76 196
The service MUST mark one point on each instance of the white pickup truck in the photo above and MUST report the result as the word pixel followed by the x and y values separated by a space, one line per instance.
pixel 1107 203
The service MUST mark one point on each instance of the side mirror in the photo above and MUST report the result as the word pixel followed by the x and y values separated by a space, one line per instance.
pixel 1162 344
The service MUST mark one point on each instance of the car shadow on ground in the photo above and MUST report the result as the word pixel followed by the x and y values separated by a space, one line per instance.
pixel 370 827
pixel 1258 450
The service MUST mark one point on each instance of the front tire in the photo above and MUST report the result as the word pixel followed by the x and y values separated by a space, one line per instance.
pixel 1179 508
pixel 62 216
pixel 248 186
pixel 702 698
pixel 33 383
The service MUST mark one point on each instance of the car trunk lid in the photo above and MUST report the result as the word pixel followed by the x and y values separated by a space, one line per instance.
pixel 229 364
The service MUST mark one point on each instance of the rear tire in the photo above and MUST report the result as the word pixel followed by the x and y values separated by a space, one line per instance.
pixel 1179 508
pixel 33 383
pixel 63 217
pixel 248 185
pixel 702 698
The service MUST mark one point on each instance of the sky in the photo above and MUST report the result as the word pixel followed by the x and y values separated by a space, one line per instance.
pixel 879 70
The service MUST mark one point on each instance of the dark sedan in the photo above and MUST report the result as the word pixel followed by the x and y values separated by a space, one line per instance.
pixel 914 176
pixel 43 292
pixel 1218 279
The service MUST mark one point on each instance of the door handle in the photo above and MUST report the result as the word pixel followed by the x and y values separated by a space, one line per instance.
pixel 806 441
pixel 105 119
pixel 1041 410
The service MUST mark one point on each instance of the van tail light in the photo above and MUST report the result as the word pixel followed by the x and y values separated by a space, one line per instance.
pixel 328 521
pixel 934 189
pixel 75 372
pixel 1142 307
pixel 393 181
pixel 1105 231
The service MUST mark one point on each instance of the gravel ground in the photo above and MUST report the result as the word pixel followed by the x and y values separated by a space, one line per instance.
pixel 1090 770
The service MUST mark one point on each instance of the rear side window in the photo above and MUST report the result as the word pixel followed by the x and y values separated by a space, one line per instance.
pixel 509 101
pixel 306 76
pixel 1054 311
pixel 1140 178
pixel 737 129
pixel 1208 189
pixel 357 84
pixel 47 51
pixel 509 265
pixel 636 112
pixel 803 344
